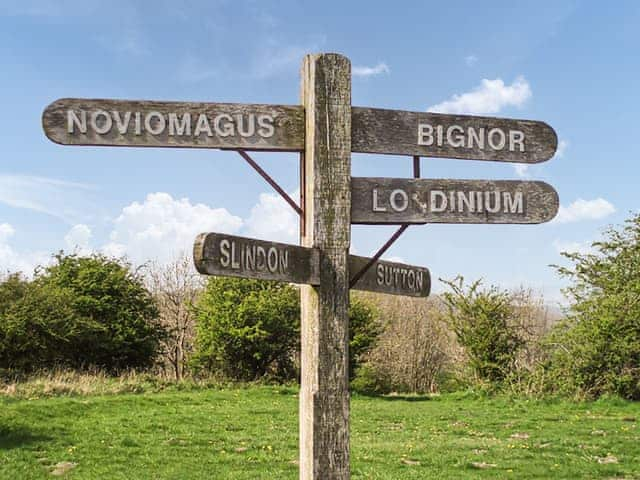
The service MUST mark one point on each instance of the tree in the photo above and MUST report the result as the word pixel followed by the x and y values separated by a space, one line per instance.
pixel 81 312
pixel 485 324
pixel 175 287
pixel 597 349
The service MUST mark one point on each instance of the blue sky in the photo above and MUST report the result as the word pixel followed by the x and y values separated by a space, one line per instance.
pixel 571 64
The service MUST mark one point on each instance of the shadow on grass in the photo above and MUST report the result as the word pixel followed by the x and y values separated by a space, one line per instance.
pixel 18 436
pixel 391 398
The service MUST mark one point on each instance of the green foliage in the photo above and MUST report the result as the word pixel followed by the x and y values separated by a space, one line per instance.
pixel 484 322
pixel 596 350
pixel 247 329
pixel 364 330
pixel 80 312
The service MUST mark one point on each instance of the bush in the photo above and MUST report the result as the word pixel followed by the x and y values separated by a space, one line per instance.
pixel 596 351
pixel 486 326
pixel 81 312
pixel 247 329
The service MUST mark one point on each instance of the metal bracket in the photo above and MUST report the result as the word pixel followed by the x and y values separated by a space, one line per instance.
pixel 394 237
pixel 270 181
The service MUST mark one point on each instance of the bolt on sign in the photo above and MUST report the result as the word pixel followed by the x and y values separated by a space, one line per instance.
pixel 401 200
pixel 326 129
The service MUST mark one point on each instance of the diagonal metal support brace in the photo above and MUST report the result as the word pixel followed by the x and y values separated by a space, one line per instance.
pixel 270 181
pixel 394 237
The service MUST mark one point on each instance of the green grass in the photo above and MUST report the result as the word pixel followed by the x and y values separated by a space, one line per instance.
pixel 252 434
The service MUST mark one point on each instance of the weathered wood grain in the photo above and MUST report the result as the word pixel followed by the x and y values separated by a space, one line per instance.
pixel 383 201
pixel 324 389
pixel 376 130
pixel 138 123
pixel 391 277
pixel 233 256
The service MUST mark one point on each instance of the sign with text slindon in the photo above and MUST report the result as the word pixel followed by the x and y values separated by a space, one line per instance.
pixel 141 123
pixel 400 200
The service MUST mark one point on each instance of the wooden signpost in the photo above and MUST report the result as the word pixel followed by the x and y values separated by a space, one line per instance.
pixel 326 129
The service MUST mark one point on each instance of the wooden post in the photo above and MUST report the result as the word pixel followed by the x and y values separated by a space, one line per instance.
pixel 324 393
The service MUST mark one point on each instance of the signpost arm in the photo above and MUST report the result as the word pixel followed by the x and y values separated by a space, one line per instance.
pixel 324 391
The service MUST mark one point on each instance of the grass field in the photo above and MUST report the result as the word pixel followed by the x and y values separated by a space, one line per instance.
pixel 252 434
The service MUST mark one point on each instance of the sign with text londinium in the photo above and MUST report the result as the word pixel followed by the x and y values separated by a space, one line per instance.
pixel 400 200
pixel 141 123
pixel 233 256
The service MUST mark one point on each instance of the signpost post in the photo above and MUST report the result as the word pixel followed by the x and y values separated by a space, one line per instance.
pixel 326 129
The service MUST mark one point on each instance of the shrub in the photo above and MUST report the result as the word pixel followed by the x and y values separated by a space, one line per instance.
pixel 80 312
pixel 596 351
pixel 247 329
pixel 486 326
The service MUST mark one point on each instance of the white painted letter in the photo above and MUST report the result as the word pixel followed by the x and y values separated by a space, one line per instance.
pixel 224 253
pixel 433 207
pixel 106 126
pixel 160 124
pixel 266 129
pixel 502 139
pixel 425 134
pixel 516 137
pixel 227 129
pixel 403 197
pixel 180 127
pixel 73 120
pixel 376 207
pixel 513 205
pixel 458 140
pixel 203 126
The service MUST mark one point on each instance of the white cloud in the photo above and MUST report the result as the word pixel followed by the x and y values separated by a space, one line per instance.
pixel 12 260
pixel 522 170
pixel 562 148
pixel 584 210
pixel 573 247
pixel 45 195
pixel 273 219
pixel 162 227
pixel 364 71
pixel 394 259
pixel 77 239
pixel 470 60
pixel 490 96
